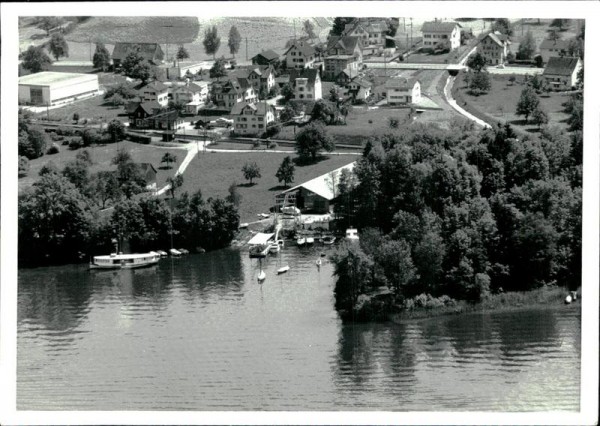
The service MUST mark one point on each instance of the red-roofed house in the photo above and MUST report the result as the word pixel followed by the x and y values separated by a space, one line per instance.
pixel 561 73
pixel 435 32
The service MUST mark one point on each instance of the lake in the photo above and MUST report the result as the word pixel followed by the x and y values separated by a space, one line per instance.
pixel 200 333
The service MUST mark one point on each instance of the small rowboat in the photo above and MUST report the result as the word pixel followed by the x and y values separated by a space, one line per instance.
pixel 328 240
pixel 318 262
pixel 162 253
pixel 175 252
pixel 283 270
pixel 184 251
pixel 568 299
pixel 262 276
pixel 310 240
pixel 301 241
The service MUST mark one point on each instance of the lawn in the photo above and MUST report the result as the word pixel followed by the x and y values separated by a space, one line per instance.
pixel 540 30
pixel 214 172
pixel 95 110
pixel 500 102
pixel 102 156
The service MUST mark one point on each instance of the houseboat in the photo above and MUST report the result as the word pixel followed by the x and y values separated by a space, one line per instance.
pixel 124 261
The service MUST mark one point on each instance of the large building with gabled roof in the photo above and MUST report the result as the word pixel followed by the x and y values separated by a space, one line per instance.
pixel 151 52
pixel 561 73
pixel 435 32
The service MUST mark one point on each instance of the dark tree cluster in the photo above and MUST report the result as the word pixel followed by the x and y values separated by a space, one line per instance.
pixel 60 218
pixel 461 214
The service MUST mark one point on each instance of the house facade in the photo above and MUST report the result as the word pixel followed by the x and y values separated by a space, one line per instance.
pixel 554 49
pixel 138 112
pixel 360 89
pixel 306 84
pixel 494 48
pixel 300 55
pixel 435 32
pixel 371 34
pixel 234 91
pixel 192 95
pixel 402 91
pixel 155 91
pixel 252 119
pixel 561 73
pixel 260 77
pixel 343 54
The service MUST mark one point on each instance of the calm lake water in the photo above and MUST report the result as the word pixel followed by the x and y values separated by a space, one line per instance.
pixel 199 333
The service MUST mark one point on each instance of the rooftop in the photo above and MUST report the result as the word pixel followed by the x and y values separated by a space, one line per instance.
pixel 322 185
pixel 47 78
pixel 554 44
pixel 561 66
pixel 439 27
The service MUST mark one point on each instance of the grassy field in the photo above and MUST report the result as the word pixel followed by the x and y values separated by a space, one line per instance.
pixel 540 31
pixel 102 156
pixel 501 101
pixel 214 172
pixel 95 110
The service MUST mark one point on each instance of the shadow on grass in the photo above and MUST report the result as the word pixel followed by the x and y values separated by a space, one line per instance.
pixel 279 188
pixel 165 167
pixel 308 161
pixel 246 185
pixel 519 122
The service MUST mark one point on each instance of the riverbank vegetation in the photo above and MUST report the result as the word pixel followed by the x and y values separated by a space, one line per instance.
pixel 458 215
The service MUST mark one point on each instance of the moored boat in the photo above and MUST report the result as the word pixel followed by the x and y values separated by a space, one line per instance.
pixel 174 252
pixel 283 269
pixel 310 240
pixel 328 240
pixel 184 251
pixel 261 275
pixel 301 241
pixel 274 248
pixel 162 253
pixel 124 261
pixel 351 234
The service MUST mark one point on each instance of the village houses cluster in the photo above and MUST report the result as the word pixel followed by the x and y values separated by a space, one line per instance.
pixel 250 94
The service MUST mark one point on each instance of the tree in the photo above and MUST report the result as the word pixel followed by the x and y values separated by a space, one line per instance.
pixel 168 158
pixel 559 23
pixel 309 29
pixel 527 46
pixel 539 116
pixel 354 272
pixel 234 40
pixel 393 122
pixel 174 183
pixel 48 23
pixel 129 174
pixel 182 53
pixel 323 111
pixel 23 166
pixel 105 186
pixel 251 171
pixel 218 69
pixel 211 41
pixel 35 59
pixel 77 173
pixel 339 24
pixel 90 137
pixel 58 46
pixel 539 61
pixel 334 96
pixel 476 62
pixel 101 57
pixel 480 82
pixel 234 196
pixel 33 144
pixel 273 91
pixel 312 140
pixel 528 102
pixel 575 120
pixel 286 171
pixel 287 91
pixel 116 130
pixel 502 25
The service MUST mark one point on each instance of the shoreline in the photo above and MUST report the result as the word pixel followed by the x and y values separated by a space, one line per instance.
pixel 545 297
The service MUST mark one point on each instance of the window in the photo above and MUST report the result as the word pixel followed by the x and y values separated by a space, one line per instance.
pixel 260 126
pixel 309 96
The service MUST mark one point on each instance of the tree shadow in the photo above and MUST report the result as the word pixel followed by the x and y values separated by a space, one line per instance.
pixel 533 130
pixel 519 122
pixel 308 161
pixel 165 167
pixel 246 185
pixel 279 188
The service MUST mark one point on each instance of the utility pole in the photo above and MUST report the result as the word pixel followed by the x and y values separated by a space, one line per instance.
pixel 411 33
pixel 246 49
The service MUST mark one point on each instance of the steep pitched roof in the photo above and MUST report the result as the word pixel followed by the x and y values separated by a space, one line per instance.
pixel 259 109
pixel 561 66
pixel 308 73
pixel 362 82
pixel 154 85
pixel 495 38
pixel 303 47
pixel 269 55
pixel 554 44
pixel 321 185
pixel 347 43
pixel 439 27
pixel 150 106
pixel 149 51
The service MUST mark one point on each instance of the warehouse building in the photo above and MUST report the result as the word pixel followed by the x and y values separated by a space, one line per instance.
pixel 55 88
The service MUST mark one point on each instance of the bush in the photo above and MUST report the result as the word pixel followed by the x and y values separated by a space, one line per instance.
pixel 75 143
pixel 76 117
pixel 54 149
pixel 65 142
pixel 23 166
pixel 272 145
pixel 256 144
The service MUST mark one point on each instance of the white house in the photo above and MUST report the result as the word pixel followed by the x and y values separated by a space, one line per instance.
pixel 402 91
pixel 494 48
pixel 306 84
pixel 561 73
pixel 234 91
pixel 252 119
pixel 435 32
pixel 155 91
pixel 192 95
pixel 53 88
pixel 371 33
pixel 360 88
pixel 300 55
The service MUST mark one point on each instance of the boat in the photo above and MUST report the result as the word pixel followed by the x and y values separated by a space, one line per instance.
pixel 244 225
pixel 274 248
pixel 310 240
pixel 568 299
pixel 259 245
pixel 174 252
pixel 351 234
pixel 259 250
pixel 124 261
pixel 283 270
pixel 328 240
pixel 301 241
pixel 184 251
pixel 162 253
pixel 318 262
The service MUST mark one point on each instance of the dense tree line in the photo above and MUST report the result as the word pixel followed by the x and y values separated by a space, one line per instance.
pixel 61 219
pixel 461 214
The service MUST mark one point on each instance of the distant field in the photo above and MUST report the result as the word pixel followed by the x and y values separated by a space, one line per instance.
pixel 102 156
pixel 214 172
pixel 540 30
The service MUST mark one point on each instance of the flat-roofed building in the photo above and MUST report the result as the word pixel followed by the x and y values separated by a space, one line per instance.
pixel 55 88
